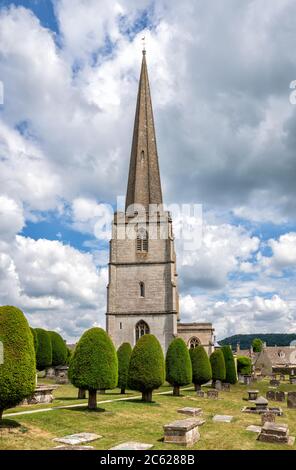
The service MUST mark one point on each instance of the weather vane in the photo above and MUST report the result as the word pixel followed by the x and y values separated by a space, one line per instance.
pixel 144 44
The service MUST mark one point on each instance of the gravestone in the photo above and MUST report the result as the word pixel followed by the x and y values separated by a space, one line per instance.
pixel 280 396
pixel 74 439
pixel 292 379
pixel 61 373
pixel 217 385
pixel 73 448
pixel 268 417
pixel 261 404
pixel 274 433
pixel 270 395
pixel 222 419
pixel 247 379
pixel 130 445
pixel 282 377
pixel 43 394
pixel 226 387
pixel 253 394
pixel 253 428
pixel 182 432
pixel 213 394
pixel 190 411
pixel 200 393
pixel 291 400
pixel 274 383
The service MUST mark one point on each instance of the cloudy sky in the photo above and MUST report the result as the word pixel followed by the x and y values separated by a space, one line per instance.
pixel 220 75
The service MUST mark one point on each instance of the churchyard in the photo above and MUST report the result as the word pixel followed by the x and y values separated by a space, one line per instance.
pixel 127 418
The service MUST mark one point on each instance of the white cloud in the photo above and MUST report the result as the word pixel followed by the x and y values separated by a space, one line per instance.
pixel 11 218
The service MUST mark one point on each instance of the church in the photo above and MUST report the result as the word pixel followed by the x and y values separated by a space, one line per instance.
pixel 142 294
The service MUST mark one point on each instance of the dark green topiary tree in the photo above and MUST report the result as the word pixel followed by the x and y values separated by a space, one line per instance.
pixel 94 365
pixel 18 371
pixel 201 366
pixel 244 365
pixel 35 339
pixel 231 376
pixel 44 349
pixel 59 349
pixel 257 344
pixel 218 366
pixel 69 355
pixel 178 365
pixel 124 353
pixel 147 367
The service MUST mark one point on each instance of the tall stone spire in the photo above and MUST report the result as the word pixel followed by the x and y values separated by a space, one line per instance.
pixel 144 185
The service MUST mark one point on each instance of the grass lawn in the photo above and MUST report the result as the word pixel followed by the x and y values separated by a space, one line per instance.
pixel 134 420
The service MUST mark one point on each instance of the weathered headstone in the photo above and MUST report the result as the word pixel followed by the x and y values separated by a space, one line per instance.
pixel 274 383
pixel 190 411
pixel 73 448
pixel 226 387
pixel 200 393
pixel 213 394
pixel 261 404
pixel 217 385
pixel 74 439
pixel 282 377
pixel 222 419
pixel 267 417
pixel 182 432
pixel 253 428
pixel 292 379
pixel 253 394
pixel 291 400
pixel 247 379
pixel 42 394
pixel 274 433
pixel 270 395
pixel 130 445
pixel 280 396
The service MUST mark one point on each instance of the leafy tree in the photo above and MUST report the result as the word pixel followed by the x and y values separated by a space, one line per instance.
pixel 147 367
pixel 59 349
pixel 124 353
pixel 244 365
pixel 257 344
pixel 201 366
pixel 94 365
pixel 231 376
pixel 218 365
pixel 18 371
pixel 44 349
pixel 178 365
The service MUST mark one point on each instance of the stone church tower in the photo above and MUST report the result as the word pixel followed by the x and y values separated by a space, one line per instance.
pixel 143 292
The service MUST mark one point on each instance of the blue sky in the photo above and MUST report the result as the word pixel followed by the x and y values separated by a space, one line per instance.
pixel 226 140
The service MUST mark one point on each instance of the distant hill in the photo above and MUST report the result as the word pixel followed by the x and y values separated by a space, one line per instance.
pixel 271 339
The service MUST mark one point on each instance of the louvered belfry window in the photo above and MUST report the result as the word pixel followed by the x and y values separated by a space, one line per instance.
pixel 142 241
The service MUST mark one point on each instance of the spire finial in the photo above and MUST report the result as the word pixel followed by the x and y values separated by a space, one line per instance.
pixel 143 45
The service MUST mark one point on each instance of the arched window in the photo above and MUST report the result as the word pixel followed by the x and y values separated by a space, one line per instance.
pixel 142 289
pixel 193 342
pixel 141 329
pixel 142 240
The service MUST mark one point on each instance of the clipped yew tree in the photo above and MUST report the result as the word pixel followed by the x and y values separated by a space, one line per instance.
pixel 59 349
pixel 35 339
pixel 147 367
pixel 94 364
pixel 201 367
pixel 18 371
pixel 124 353
pixel 178 365
pixel 218 366
pixel 244 365
pixel 231 375
pixel 44 349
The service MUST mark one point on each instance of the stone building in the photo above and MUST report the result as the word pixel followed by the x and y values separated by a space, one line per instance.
pixel 142 294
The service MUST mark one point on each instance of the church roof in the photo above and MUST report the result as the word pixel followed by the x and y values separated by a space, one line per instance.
pixel 144 186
